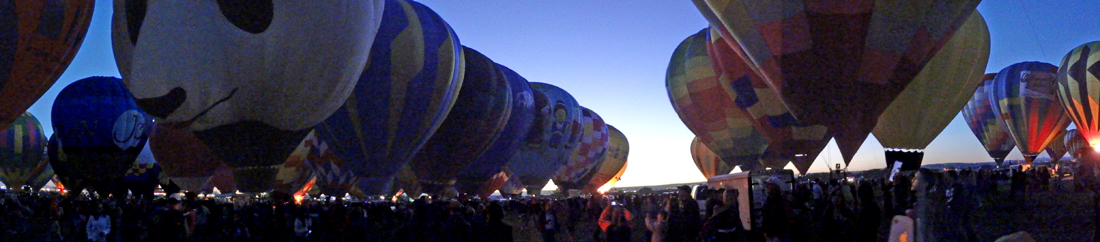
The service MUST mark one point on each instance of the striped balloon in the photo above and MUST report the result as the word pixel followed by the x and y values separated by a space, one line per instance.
pixel 476 120
pixel 1024 97
pixel 588 154
pixel 482 175
pixel 788 139
pixel 991 132
pixel 550 141
pixel 22 152
pixel 614 162
pixel 38 40
pixel 1057 147
pixel 1074 143
pixel 707 161
pixel 401 98
pixel 699 97
pixel 1079 89
pixel 838 63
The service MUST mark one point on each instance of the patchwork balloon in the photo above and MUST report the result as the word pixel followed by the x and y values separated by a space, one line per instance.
pixel 991 132
pixel 38 40
pixel 1024 97
pixel 22 152
pixel 474 122
pixel 487 173
pixel 588 154
pixel 788 139
pixel 840 64
pixel 699 97
pixel 614 162
pixel 99 132
pixel 144 175
pixel 929 103
pixel 551 139
pixel 402 97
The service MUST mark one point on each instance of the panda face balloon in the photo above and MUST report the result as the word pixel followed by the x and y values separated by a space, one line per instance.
pixel 208 63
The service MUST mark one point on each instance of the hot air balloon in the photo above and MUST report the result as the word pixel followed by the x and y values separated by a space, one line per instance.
pixel 22 152
pixel 614 162
pixel 513 187
pixel 838 64
pixel 707 161
pixel 332 174
pixel 487 173
pixel 788 139
pixel 294 173
pixel 39 39
pixel 183 158
pixel 706 108
pixel 1077 81
pixel 1075 144
pixel 550 141
pixel 476 120
pixel 929 103
pixel 1057 147
pixel 991 132
pixel 99 132
pixel 144 174
pixel 232 72
pixel 402 96
pixel 588 154
pixel 1024 97
pixel 43 177
pixel 222 180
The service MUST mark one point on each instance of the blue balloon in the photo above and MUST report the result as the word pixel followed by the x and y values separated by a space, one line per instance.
pixel 476 175
pixel 554 133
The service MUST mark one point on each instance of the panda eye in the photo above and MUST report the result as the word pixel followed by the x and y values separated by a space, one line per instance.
pixel 135 15
pixel 253 16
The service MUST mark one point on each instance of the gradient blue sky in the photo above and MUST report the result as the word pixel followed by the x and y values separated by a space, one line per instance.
pixel 612 56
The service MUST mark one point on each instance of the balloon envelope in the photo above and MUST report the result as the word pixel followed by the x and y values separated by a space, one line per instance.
pixel 930 102
pixel 1024 97
pixel 839 63
pixel 614 162
pixel 587 155
pixel 788 139
pixel 183 157
pixel 99 131
pixel 1075 144
pixel 474 122
pixel 550 141
pixel 1078 81
pixel 707 161
pixel 991 132
pixel 401 98
pixel 39 40
pixel 22 152
pixel 1057 147
pixel 482 174
pixel 703 104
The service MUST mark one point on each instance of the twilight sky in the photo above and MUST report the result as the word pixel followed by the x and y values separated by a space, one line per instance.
pixel 612 56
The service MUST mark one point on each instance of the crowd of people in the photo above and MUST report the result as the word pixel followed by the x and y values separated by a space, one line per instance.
pixel 806 209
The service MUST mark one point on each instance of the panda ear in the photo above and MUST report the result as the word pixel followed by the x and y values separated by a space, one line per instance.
pixel 253 16
pixel 135 15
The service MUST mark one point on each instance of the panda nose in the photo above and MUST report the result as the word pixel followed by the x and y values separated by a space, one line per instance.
pixel 163 106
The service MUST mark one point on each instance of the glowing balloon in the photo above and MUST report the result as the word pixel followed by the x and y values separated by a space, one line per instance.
pixel 476 120
pixel 551 139
pixel 1057 147
pixel 707 161
pixel 38 40
pixel 931 101
pixel 183 157
pixel 588 154
pixel 991 132
pixel 702 102
pixel 614 162
pixel 99 131
pixel 1078 79
pixel 487 173
pixel 1075 144
pixel 402 96
pixel 1023 96
pixel 294 173
pixel 788 139
pixel 839 64
pixel 332 173
pixel 22 152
